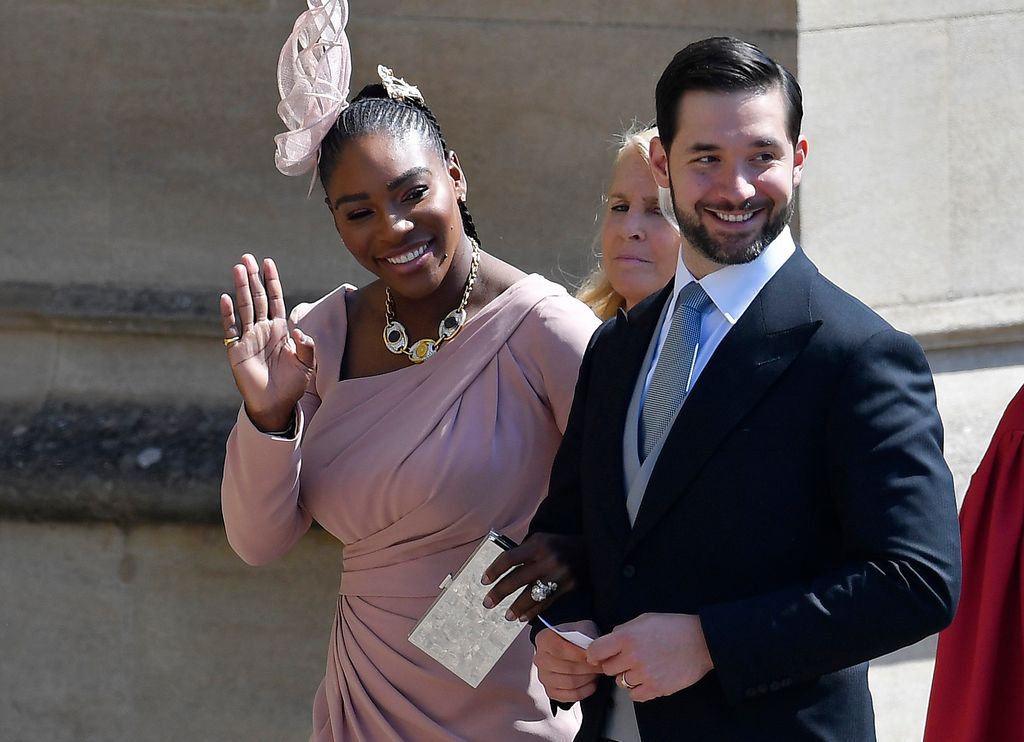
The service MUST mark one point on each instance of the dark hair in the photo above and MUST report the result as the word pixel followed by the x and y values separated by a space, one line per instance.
pixel 723 65
pixel 374 111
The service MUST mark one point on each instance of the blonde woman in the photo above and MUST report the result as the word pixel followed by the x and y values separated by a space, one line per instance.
pixel 639 245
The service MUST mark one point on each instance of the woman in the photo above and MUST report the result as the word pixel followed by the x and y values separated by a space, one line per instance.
pixel 639 245
pixel 408 450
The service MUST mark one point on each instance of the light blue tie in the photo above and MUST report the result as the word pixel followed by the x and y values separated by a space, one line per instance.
pixel 672 371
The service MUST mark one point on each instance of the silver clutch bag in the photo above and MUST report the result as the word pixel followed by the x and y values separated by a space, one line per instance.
pixel 457 630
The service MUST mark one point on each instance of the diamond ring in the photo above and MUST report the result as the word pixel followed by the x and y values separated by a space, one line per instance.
pixel 542 590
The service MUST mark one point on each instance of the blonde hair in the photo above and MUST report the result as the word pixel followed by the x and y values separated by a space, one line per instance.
pixel 596 290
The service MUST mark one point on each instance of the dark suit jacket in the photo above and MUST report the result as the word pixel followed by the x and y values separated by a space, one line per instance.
pixel 801 506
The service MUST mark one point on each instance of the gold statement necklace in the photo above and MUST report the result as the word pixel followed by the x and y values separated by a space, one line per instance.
pixel 396 339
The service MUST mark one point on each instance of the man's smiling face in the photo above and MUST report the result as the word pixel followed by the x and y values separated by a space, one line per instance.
pixel 733 173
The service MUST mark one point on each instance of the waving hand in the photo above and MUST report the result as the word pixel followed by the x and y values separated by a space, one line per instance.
pixel 271 364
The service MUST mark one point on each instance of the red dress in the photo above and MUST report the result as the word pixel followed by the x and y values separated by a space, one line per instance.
pixel 978 687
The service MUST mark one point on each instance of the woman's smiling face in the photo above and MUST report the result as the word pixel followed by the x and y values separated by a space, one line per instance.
pixel 395 206
pixel 639 247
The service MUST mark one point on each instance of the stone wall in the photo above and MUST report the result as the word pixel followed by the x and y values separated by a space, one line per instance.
pixel 158 632
pixel 139 165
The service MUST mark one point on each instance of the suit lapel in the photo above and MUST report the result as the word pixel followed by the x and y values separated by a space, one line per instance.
pixel 755 352
pixel 622 364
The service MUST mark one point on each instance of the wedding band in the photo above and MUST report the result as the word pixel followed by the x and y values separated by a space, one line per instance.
pixel 228 342
pixel 625 683
pixel 542 590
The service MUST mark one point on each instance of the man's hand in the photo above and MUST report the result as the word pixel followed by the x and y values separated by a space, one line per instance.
pixel 562 666
pixel 657 653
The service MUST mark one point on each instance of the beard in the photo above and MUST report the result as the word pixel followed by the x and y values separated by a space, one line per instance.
pixel 732 252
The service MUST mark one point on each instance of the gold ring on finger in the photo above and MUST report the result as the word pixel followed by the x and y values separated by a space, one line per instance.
pixel 228 342
pixel 625 683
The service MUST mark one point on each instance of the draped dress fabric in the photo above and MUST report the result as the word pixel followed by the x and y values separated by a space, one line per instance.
pixel 978 686
pixel 409 470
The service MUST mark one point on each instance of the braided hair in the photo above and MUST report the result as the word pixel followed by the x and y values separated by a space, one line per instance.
pixel 373 111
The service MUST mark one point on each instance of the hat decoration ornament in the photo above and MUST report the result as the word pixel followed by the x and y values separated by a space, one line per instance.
pixel 397 88
pixel 313 75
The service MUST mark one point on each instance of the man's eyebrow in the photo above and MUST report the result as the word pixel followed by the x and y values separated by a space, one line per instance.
pixel 391 185
pixel 761 143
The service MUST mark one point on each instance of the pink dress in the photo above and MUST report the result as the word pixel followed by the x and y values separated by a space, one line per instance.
pixel 409 470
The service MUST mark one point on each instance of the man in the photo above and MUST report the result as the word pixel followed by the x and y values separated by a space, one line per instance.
pixel 753 458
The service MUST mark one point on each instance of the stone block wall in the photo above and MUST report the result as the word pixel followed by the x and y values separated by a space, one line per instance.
pixel 913 124
pixel 139 166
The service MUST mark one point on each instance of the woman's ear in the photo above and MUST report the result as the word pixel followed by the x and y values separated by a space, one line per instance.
pixel 659 163
pixel 458 176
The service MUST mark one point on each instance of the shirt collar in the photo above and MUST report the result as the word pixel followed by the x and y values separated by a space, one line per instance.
pixel 733 287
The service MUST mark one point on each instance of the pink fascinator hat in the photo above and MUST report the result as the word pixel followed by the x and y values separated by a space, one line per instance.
pixel 313 75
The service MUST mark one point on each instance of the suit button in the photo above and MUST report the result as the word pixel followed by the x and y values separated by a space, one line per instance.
pixel 628 571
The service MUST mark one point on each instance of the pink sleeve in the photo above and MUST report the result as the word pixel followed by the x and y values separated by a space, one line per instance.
pixel 260 498
pixel 550 345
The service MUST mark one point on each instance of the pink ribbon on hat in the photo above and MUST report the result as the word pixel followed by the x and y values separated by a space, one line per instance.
pixel 313 74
